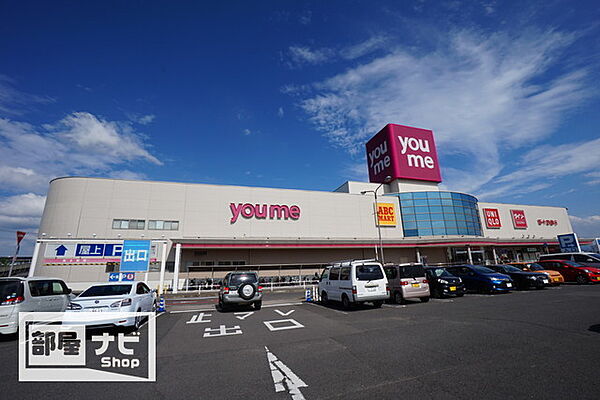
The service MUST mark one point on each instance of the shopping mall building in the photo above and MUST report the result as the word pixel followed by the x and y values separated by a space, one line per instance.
pixel 203 231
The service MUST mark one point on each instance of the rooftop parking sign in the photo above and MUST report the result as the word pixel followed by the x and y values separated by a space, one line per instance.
pixel 135 256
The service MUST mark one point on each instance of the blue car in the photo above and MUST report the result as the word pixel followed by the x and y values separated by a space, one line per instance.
pixel 482 279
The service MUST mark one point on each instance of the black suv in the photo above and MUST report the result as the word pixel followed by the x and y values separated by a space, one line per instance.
pixel 240 288
pixel 442 283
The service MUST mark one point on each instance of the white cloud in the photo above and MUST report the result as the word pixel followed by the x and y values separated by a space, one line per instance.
pixel 304 55
pixel 305 18
pixel 247 131
pixel 280 112
pixel 363 48
pixel 143 119
pixel 588 227
pixel 476 92
pixel 595 178
pixel 15 102
pixel 23 205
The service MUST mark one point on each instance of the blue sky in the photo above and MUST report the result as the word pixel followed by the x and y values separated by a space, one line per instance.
pixel 285 94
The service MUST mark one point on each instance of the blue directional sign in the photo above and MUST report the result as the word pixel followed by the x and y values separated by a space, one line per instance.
pixel 135 255
pixel 569 243
pixel 125 276
pixel 60 250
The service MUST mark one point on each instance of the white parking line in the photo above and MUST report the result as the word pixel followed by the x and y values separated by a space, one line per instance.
pixel 327 308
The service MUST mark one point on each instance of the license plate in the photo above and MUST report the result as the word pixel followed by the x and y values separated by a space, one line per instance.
pixel 509 285
pixel 97 309
pixel 416 285
pixel 371 289
pixel 453 288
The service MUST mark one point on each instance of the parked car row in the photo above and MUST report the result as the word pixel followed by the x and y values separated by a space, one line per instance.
pixel 39 294
pixel 360 281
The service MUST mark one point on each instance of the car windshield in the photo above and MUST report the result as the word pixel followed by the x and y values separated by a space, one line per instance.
pixel 368 272
pixel 412 271
pixel 10 288
pixel 482 270
pixel 238 279
pixel 106 290
pixel 440 272
pixel 536 267
pixel 510 268
pixel 574 264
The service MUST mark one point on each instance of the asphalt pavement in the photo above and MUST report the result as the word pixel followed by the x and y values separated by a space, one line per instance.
pixel 532 344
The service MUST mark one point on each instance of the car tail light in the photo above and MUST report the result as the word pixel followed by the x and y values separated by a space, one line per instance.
pixel 387 288
pixel 121 303
pixel 353 289
pixel 425 281
pixel 226 290
pixel 12 300
pixel 404 283
pixel 260 289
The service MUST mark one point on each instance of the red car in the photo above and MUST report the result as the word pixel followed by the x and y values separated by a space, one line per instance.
pixel 572 271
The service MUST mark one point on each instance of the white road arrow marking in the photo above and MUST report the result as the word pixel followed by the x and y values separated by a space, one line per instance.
pixel 243 315
pixel 199 319
pixel 283 376
pixel 284 314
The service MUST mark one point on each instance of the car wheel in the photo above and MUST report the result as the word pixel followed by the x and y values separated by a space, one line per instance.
pixel 138 321
pixel 378 303
pixel 398 298
pixel 582 280
pixel 345 302
pixel 438 293
pixel 221 305
pixel 424 299
pixel 257 305
pixel 324 298
pixel 460 295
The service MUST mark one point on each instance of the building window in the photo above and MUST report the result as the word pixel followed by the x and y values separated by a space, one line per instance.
pixel 161 225
pixel 439 213
pixel 137 224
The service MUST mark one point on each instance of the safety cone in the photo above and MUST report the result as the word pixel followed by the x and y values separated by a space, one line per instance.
pixel 161 305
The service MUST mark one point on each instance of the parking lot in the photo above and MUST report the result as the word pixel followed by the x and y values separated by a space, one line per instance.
pixel 529 344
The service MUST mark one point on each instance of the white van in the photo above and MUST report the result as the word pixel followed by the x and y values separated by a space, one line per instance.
pixel 354 282
pixel 30 294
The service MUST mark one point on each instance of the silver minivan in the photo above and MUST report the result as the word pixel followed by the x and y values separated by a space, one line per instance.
pixel 407 281
pixel 354 282
pixel 29 294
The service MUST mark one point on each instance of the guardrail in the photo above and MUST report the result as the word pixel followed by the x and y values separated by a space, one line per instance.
pixel 267 286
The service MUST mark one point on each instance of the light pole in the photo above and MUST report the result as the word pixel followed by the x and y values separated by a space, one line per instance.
pixel 386 180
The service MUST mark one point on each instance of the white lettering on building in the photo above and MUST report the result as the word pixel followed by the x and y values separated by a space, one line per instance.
pixel 416 160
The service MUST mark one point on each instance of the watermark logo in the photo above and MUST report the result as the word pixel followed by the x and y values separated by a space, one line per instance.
pixel 78 346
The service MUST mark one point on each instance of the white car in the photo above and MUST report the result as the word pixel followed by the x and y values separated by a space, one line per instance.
pixel 354 282
pixel 35 294
pixel 116 297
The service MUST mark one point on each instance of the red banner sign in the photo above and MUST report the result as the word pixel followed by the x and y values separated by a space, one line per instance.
pixel 492 218
pixel 20 236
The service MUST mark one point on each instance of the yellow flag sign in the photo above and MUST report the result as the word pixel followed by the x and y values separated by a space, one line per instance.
pixel 386 214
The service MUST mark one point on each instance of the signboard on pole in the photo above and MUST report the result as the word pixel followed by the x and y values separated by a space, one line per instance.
pixel 125 276
pixel 569 243
pixel 135 256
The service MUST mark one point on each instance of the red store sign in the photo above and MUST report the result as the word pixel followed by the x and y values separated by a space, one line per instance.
pixel 547 222
pixel 518 218
pixel 492 218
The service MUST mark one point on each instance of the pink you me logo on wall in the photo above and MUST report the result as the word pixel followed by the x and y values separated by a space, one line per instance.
pixel 403 152
pixel 518 218
pixel 263 211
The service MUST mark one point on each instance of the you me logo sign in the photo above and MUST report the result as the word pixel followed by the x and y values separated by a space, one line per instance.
pixel 403 152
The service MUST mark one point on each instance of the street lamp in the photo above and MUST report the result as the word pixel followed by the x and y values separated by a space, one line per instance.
pixel 386 180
